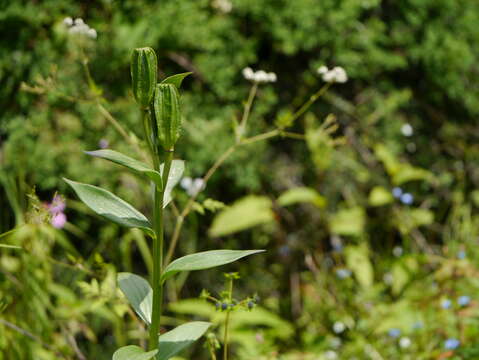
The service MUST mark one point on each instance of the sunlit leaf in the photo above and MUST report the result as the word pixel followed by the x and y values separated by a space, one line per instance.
pixel 133 352
pixel 348 222
pixel 176 172
pixel 176 79
pixel 128 162
pixel 243 214
pixel 205 260
pixel 110 206
pixel 180 337
pixel 301 195
pixel 139 294
pixel 380 196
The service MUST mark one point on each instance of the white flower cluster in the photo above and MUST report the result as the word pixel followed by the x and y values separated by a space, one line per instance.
pixel 259 76
pixel 225 6
pixel 78 26
pixel 192 186
pixel 336 74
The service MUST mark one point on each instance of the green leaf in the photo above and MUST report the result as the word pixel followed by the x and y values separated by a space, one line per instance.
pixel 139 294
pixel 6 246
pixel 176 172
pixel 205 260
pixel 180 337
pixel 130 163
pixel 176 79
pixel 357 259
pixel 106 204
pixel 348 221
pixel 243 214
pixel 379 196
pixel 301 195
pixel 133 352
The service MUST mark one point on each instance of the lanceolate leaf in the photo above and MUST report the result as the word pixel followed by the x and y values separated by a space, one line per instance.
pixel 176 172
pixel 130 163
pixel 110 206
pixel 139 294
pixel 205 260
pixel 133 352
pixel 176 79
pixel 180 337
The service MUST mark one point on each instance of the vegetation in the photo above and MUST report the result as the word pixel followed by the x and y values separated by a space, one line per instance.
pixel 350 159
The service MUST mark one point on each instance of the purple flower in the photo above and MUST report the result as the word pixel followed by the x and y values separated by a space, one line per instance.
pixel 397 192
pixel 57 205
pixel 451 344
pixel 103 143
pixel 58 220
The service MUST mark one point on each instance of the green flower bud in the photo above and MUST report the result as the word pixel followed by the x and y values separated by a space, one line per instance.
pixel 143 75
pixel 166 104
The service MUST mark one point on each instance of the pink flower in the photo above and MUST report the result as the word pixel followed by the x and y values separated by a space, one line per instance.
pixel 58 220
pixel 57 205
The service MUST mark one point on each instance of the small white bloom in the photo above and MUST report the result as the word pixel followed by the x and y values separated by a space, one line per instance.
pixel 259 76
pixel 341 76
pixel 397 251
pixel 330 355
pixel 68 21
pixel 388 278
pixel 404 342
pixel 248 73
pixel 224 6
pixel 192 186
pixel 92 33
pixel 407 129
pixel 79 21
pixel 186 182
pixel 322 70
pixel 338 327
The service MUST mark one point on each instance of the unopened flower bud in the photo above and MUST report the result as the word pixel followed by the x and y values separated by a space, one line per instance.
pixel 166 105
pixel 143 75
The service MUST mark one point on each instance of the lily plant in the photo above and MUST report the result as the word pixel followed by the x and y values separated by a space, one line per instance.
pixel 159 104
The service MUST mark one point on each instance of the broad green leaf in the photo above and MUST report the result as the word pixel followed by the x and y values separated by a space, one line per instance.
pixel 176 172
pixel 357 259
pixel 348 222
pixel 180 337
pixel 243 214
pixel 205 260
pixel 106 204
pixel 379 196
pixel 139 294
pixel 130 163
pixel 133 352
pixel 176 79
pixel 301 195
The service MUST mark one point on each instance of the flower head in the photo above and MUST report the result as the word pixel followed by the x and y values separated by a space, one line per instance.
pixel 259 76
pixel 336 74
pixel 404 342
pixel 79 27
pixel 407 199
pixel 446 304
pixel 58 220
pixel 339 327
pixel 451 344
pixel 407 130
pixel 394 333
pixel 343 273
pixel 397 192
pixel 464 300
pixel 192 186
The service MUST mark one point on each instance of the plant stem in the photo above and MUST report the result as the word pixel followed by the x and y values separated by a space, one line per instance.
pixel 158 241
pixel 246 112
pixel 227 320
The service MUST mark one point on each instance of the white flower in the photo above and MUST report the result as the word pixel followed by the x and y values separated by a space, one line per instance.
pixel 224 6
pixel 259 76
pixel 79 27
pixel 68 21
pixel 338 327
pixel 330 355
pixel 336 74
pixel 404 342
pixel 397 251
pixel 407 129
pixel 388 278
pixel 192 186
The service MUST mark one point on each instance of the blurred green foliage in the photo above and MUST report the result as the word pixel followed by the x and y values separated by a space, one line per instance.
pixel 341 247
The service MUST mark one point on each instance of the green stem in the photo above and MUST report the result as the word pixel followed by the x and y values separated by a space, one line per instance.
pixel 227 320
pixel 158 244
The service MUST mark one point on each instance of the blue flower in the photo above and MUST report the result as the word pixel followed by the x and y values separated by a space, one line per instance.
pixel 417 325
pixel 407 198
pixel 464 300
pixel 343 273
pixel 394 333
pixel 461 255
pixel 451 344
pixel 446 303
pixel 397 192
